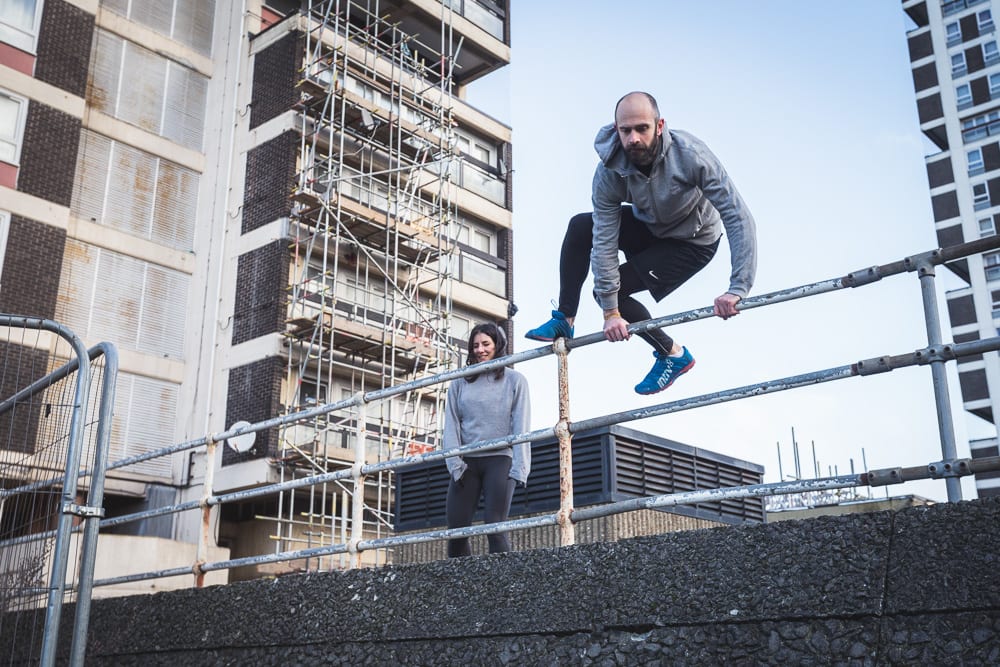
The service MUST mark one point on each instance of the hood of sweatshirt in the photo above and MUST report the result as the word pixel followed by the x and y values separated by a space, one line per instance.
pixel 609 149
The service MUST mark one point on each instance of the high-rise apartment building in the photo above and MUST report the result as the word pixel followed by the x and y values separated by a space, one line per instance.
pixel 265 205
pixel 955 59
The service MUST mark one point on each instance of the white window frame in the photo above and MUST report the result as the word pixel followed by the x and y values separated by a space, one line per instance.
pixel 987 227
pixel 991 53
pixel 994 85
pixel 958 66
pixel 991 265
pixel 963 96
pixel 984 19
pixel 975 159
pixel 22 114
pixel 980 196
pixel 17 36
pixel 953 33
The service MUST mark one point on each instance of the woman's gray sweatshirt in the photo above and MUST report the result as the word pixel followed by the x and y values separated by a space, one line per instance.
pixel 484 410
pixel 687 196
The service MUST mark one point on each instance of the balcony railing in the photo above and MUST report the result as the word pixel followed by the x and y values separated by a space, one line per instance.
pixel 955 6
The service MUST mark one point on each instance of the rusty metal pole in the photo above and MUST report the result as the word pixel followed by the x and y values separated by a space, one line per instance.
pixel 567 532
pixel 358 495
pixel 205 537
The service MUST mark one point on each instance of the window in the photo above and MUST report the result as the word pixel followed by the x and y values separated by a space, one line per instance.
pixel 984 125
pixel 958 67
pixel 991 55
pixel 953 33
pixel 994 86
pixel 12 112
pixel 985 20
pixel 963 96
pixel 980 196
pixel 987 227
pixel 975 157
pixel 991 265
pixel 19 23
pixel 477 236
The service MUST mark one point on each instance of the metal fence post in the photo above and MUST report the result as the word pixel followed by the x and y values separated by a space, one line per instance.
pixel 939 376
pixel 358 496
pixel 205 536
pixel 95 500
pixel 567 531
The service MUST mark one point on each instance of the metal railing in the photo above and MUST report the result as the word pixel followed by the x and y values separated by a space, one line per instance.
pixel 52 422
pixel 936 355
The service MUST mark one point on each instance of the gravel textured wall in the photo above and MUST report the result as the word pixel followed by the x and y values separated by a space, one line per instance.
pixel 918 586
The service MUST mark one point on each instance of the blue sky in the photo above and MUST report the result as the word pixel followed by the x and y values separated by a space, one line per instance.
pixel 810 107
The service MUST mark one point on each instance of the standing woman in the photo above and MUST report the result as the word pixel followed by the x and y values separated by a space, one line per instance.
pixel 481 407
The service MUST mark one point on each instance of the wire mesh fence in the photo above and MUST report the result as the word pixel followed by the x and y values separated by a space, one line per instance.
pixel 54 421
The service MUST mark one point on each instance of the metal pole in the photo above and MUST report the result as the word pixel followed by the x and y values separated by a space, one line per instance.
pixel 95 501
pixel 939 376
pixel 206 515
pixel 358 496
pixel 567 533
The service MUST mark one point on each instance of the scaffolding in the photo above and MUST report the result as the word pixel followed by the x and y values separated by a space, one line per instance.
pixel 373 229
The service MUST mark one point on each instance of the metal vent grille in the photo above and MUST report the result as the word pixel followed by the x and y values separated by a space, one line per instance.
pixel 135 192
pixel 609 464
pixel 186 21
pixel 104 295
pixel 650 469
pixel 145 418
pixel 147 90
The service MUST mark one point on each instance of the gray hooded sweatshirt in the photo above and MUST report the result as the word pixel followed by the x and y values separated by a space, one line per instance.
pixel 686 196
pixel 485 410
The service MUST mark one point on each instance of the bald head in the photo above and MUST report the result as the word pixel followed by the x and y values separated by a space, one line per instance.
pixel 639 101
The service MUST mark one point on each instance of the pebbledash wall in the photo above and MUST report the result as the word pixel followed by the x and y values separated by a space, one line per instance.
pixel 915 586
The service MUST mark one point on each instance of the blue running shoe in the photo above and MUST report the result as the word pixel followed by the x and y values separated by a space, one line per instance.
pixel 665 370
pixel 557 327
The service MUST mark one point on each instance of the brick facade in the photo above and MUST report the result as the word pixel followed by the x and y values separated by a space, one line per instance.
pixel 20 367
pixel 48 154
pixel 277 68
pixel 269 180
pixel 253 396
pixel 31 268
pixel 64 41
pixel 261 281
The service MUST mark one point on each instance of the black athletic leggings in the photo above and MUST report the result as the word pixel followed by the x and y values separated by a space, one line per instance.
pixel 679 261
pixel 489 476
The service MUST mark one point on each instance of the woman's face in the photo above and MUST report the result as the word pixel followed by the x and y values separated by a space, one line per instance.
pixel 483 348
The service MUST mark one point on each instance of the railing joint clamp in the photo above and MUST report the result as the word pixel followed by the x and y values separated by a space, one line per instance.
pixel 885 476
pixel 873 366
pixel 82 510
pixel 950 468
pixel 863 276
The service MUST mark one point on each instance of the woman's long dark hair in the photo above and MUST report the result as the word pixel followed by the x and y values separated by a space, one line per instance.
pixel 499 339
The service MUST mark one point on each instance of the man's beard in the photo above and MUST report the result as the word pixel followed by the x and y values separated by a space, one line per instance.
pixel 643 156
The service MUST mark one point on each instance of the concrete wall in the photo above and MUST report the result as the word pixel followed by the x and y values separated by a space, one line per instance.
pixel 917 586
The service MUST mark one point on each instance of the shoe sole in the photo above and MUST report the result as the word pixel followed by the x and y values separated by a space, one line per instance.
pixel 545 340
pixel 667 386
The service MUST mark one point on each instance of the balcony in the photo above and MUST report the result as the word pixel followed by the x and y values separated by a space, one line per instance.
pixel 955 6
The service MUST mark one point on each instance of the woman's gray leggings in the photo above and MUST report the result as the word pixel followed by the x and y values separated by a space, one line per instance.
pixel 489 476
